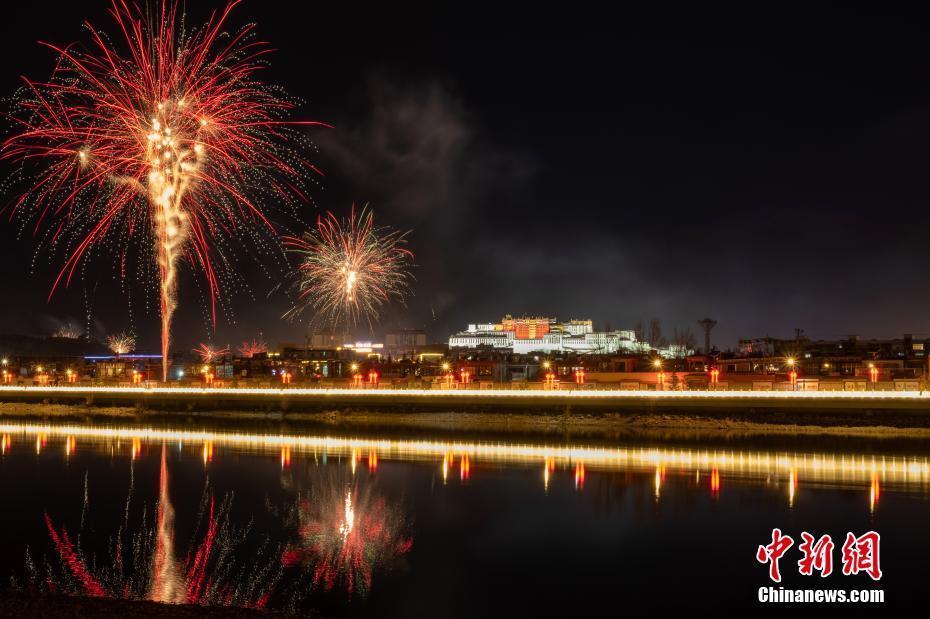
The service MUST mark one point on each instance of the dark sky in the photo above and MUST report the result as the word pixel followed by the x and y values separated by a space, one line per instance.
pixel 767 169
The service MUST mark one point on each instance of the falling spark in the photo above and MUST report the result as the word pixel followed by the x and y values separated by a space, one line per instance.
pixel 161 139
pixel 349 269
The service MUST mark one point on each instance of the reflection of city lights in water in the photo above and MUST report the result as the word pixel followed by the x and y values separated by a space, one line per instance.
pixel 345 531
pixel 464 468
pixel 41 442
pixel 70 446
pixel 874 492
pixel 447 462
pixel 659 479
pixel 5 443
pixel 285 457
pixel 579 476
pixel 715 483
pixel 136 449
pixel 372 460
pixel 143 564
pixel 816 468
pixel 548 469
pixel 792 486
pixel 207 452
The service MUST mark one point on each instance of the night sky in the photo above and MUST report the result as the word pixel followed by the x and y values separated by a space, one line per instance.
pixel 768 170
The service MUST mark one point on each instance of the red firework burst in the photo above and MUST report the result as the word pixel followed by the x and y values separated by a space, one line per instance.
pixel 208 354
pixel 158 138
pixel 255 347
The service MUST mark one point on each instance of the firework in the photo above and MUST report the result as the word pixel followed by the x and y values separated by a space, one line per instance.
pixel 143 564
pixel 160 139
pixel 67 331
pixel 208 354
pixel 255 347
pixel 121 343
pixel 345 531
pixel 349 269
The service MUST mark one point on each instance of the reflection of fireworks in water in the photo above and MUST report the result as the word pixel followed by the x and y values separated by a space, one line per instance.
pixel 345 532
pixel 144 565
pixel 121 343
pixel 349 268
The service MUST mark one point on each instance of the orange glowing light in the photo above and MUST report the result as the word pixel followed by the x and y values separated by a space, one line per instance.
pixel 579 476
pixel 372 377
pixel 464 467
pixel 875 492
pixel 579 376
pixel 285 457
pixel 372 460
pixel 466 376
pixel 550 380
pixel 136 448
pixel 207 452
pixel 715 482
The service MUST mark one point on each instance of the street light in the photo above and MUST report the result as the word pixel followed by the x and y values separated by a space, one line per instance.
pixel 790 361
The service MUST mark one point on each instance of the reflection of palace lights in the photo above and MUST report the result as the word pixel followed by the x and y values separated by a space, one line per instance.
pixel 824 468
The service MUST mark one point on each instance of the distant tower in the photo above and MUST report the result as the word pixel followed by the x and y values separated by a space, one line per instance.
pixel 707 324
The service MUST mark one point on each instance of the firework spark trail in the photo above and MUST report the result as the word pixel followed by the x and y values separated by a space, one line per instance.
pixel 158 138
pixel 349 268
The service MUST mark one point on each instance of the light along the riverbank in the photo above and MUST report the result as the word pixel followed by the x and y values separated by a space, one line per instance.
pixel 819 467
pixel 556 394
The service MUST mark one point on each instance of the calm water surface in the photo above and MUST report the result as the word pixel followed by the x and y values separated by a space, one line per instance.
pixel 381 525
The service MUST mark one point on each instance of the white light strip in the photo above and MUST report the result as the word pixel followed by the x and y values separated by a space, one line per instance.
pixel 820 467
pixel 568 394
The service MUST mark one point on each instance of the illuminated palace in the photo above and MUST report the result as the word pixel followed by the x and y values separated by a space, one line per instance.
pixel 531 334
